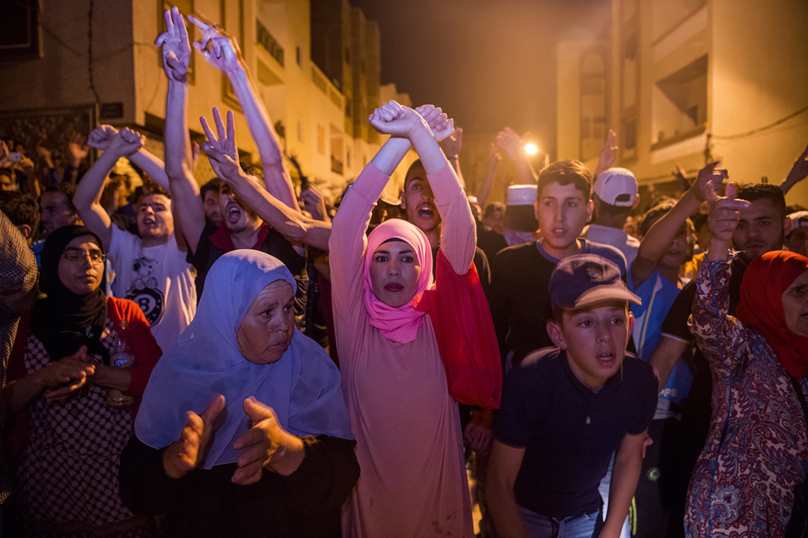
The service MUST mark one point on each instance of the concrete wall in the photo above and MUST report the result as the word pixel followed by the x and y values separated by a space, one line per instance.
pixel 760 74
pixel 60 77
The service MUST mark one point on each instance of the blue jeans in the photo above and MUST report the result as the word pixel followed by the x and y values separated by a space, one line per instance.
pixel 539 526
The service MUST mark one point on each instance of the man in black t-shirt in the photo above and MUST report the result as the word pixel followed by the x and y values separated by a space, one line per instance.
pixel 520 274
pixel 566 410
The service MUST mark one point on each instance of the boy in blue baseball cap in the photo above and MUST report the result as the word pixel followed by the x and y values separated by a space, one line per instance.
pixel 567 409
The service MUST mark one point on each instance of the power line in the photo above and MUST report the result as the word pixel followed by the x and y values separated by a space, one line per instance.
pixel 759 129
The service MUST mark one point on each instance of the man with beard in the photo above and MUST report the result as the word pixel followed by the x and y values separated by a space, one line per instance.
pixel 151 269
pixel 57 210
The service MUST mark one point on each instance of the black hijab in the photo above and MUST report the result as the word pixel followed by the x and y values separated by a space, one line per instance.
pixel 64 321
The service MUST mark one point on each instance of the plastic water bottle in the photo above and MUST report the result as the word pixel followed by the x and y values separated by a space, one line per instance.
pixel 121 357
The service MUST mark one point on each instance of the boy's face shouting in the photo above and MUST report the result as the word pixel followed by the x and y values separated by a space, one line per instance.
pixel 595 339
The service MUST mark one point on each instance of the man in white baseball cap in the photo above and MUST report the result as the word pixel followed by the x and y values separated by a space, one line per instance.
pixel 615 195
pixel 797 238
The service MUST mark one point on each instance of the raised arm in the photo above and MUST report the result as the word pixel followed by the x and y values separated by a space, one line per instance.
pixel 797 173
pixel 508 140
pixel 485 189
pixel 608 154
pixel 656 243
pixel 451 146
pixel 223 154
pixel 179 165
pixel 223 53
pixel 718 334
pixel 149 163
pixel 86 199
pixel 425 128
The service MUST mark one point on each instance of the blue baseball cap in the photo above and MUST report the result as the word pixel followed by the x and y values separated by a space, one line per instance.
pixel 585 279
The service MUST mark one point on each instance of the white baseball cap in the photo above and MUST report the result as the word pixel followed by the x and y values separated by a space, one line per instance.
pixel 617 187
pixel 799 219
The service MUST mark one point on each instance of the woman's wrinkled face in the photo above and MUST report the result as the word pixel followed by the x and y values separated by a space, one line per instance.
pixel 795 305
pixel 81 267
pixel 394 273
pixel 269 324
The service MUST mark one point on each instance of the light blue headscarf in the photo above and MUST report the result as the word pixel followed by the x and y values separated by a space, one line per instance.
pixel 303 387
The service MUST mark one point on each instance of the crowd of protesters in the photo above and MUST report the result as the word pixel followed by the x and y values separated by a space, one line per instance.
pixel 250 358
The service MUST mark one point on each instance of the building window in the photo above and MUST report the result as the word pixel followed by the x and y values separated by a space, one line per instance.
pixel 679 102
pixel 321 140
pixel 299 131
pixel 297 55
pixel 19 30
pixel 347 56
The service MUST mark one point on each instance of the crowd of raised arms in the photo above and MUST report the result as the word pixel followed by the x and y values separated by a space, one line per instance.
pixel 251 358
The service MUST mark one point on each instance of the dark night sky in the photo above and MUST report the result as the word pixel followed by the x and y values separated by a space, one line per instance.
pixel 488 63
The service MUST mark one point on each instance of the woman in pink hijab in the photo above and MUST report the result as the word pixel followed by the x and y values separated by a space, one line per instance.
pixel 399 336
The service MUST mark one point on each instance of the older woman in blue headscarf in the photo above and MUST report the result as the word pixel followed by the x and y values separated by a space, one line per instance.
pixel 243 430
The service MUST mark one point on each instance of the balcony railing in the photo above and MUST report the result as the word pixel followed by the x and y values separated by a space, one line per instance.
pixel 269 43
pixel 336 165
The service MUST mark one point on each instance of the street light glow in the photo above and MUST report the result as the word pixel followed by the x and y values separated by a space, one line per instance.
pixel 531 149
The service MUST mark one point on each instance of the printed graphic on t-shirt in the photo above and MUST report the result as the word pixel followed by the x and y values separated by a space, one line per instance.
pixel 144 290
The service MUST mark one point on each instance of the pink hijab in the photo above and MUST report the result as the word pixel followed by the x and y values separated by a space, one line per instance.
pixel 398 324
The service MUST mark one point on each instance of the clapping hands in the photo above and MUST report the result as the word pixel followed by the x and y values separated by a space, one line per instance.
pixel 265 445
pixel 176 46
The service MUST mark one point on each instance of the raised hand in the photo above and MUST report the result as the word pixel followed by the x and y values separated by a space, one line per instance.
pixel 396 120
pixel 439 123
pixel 454 143
pixel 265 445
pixel 101 136
pixel 176 47
pixel 799 171
pixel 724 213
pixel 182 456
pixel 608 155
pixel 708 184
pixel 78 148
pixel 495 156
pixel 508 140
pixel 221 150
pixel 219 50
pixel 126 142
pixel 314 202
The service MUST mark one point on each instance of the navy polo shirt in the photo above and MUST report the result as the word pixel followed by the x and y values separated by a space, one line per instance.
pixel 569 432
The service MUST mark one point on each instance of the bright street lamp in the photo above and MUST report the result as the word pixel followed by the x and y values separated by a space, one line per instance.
pixel 531 149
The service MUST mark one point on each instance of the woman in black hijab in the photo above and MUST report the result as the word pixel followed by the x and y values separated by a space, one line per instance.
pixel 59 376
